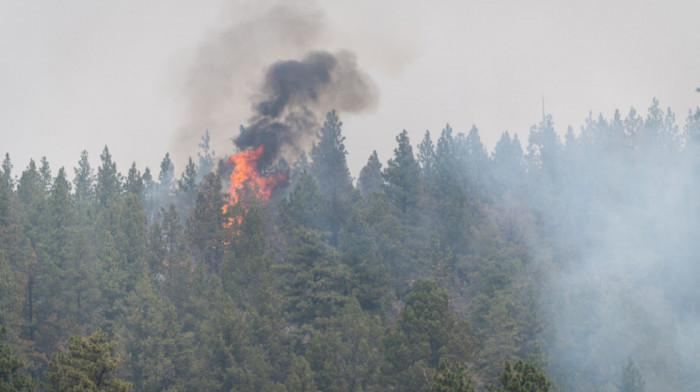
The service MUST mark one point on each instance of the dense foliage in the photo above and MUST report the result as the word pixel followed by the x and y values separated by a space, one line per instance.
pixel 433 272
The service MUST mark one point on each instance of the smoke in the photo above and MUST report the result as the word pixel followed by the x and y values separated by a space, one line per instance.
pixel 296 94
pixel 622 211
pixel 240 64
pixel 227 67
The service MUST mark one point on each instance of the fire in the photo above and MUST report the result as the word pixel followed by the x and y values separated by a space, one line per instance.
pixel 245 174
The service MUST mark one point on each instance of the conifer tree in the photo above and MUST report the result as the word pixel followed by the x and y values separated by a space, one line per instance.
pixel 187 186
pixel 89 364
pixel 166 174
pixel 318 284
pixel 45 172
pixel 206 157
pixel 370 180
pixel 108 180
pixel 12 377
pixel 83 182
pixel 521 377
pixel 304 205
pixel 414 344
pixel 329 159
pixel 329 166
pixel 448 380
pixel 426 155
pixel 205 226
pixel 134 182
pixel 402 176
pixel 6 174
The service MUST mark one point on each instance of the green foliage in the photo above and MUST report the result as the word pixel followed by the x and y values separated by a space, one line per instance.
pixel 12 377
pixel 423 326
pixel 521 377
pixel 300 377
pixel 134 182
pixel 420 335
pixel 402 176
pixel 89 364
pixel 84 182
pixel 205 226
pixel 45 172
pixel 155 351
pixel 304 206
pixel 246 271
pixel 108 186
pixel 346 356
pixel 187 186
pixel 317 285
pixel 360 252
pixel 448 380
pixel 6 174
pixel 424 270
pixel 166 174
pixel 328 159
pixel 370 180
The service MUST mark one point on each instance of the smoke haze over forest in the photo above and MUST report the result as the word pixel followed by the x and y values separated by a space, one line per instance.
pixel 552 220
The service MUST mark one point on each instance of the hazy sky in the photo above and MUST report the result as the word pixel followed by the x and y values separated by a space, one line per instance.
pixel 79 75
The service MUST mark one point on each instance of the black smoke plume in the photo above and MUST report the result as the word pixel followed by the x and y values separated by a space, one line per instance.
pixel 296 94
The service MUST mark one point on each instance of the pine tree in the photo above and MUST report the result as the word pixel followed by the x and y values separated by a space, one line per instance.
pixel 304 205
pixel 521 377
pixel 370 180
pixel 206 157
pixel 12 377
pixel 166 174
pixel 205 226
pixel 447 380
pixel 413 345
pixel 6 175
pixel 131 237
pixel 84 182
pixel 426 155
pixel 156 353
pixel 45 172
pixel 11 244
pixel 108 180
pixel 329 160
pixel 447 195
pixel 246 271
pixel 134 182
pixel 360 252
pixel 476 158
pixel 300 378
pixel 318 284
pixel 187 186
pixel 89 364
pixel 224 336
pixel 402 176
pixel 508 167
pixel 329 166
pixel 545 148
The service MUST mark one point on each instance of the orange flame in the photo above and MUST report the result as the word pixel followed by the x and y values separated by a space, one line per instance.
pixel 245 173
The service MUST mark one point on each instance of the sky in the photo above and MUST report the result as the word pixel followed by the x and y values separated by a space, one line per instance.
pixel 148 78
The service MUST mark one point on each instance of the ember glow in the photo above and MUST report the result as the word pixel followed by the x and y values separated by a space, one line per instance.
pixel 245 174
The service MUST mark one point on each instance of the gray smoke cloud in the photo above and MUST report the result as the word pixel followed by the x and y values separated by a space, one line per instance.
pixel 240 64
pixel 625 284
pixel 225 70
pixel 296 95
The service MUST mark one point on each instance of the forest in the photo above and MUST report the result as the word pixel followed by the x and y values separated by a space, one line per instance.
pixel 552 264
